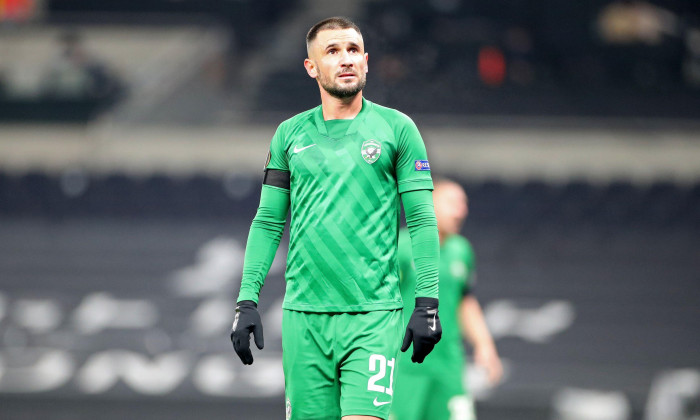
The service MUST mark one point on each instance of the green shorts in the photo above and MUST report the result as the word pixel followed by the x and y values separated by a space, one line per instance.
pixel 339 364
pixel 430 393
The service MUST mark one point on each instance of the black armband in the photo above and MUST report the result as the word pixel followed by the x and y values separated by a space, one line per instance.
pixel 426 302
pixel 276 178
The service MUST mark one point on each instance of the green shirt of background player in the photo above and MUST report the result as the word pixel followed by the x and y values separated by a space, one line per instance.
pixel 342 170
pixel 434 390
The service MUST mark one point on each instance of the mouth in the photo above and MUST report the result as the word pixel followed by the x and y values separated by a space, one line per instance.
pixel 347 75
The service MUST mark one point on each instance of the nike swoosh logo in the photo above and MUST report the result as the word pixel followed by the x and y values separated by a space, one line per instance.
pixel 297 150
pixel 432 312
pixel 235 322
pixel 378 404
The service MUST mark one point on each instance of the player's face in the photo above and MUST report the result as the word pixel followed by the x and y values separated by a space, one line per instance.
pixel 338 61
pixel 450 207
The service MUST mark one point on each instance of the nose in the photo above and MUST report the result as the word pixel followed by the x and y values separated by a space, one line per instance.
pixel 345 59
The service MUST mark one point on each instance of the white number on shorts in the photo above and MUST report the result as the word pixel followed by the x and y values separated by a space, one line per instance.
pixel 372 384
pixel 390 390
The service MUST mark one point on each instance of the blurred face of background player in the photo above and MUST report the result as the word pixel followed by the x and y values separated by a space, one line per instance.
pixel 338 62
pixel 451 207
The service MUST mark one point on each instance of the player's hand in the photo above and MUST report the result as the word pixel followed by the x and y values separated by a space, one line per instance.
pixel 247 321
pixel 423 330
pixel 487 357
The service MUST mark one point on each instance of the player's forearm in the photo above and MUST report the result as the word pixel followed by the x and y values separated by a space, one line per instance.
pixel 425 243
pixel 473 324
pixel 263 240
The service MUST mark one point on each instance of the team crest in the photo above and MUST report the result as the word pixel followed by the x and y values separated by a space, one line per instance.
pixel 371 149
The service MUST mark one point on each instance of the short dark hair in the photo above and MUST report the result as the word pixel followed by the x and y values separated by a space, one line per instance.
pixel 336 22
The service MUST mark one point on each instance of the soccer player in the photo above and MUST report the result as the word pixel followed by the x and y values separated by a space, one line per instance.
pixel 434 390
pixel 341 169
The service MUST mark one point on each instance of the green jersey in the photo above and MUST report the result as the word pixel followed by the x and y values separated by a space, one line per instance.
pixel 345 181
pixel 457 276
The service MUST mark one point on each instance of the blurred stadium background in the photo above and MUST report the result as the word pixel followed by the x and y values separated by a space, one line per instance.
pixel 132 137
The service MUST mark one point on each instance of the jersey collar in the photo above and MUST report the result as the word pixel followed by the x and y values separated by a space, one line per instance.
pixel 354 126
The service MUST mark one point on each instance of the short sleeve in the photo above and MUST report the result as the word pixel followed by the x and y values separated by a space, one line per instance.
pixel 277 156
pixel 412 166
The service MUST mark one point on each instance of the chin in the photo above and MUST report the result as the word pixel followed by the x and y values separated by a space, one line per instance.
pixel 347 86
pixel 452 231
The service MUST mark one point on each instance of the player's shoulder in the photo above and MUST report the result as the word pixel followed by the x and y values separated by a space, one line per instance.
pixel 460 244
pixel 392 116
pixel 299 120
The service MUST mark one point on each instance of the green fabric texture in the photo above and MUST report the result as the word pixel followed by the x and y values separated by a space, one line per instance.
pixel 342 354
pixel 457 273
pixel 434 389
pixel 346 177
pixel 263 240
pixel 337 128
pixel 422 227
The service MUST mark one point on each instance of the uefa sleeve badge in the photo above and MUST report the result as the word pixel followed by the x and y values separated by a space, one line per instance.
pixel 422 165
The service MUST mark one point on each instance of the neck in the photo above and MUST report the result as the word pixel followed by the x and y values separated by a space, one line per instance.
pixel 340 109
pixel 442 236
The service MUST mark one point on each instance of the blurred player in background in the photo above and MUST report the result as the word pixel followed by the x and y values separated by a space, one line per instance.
pixel 342 169
pixel 434 390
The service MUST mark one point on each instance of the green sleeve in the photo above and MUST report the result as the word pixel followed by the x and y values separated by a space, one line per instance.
pixel 277 157
pixel 405 260
pixel 404 255
pixel 263 240
pixel 425 242
pixel 412 167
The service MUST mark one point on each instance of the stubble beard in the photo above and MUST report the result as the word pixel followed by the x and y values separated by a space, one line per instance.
pixel 340 91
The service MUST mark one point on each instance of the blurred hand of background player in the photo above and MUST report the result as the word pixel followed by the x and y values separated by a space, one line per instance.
pixel 423 330
pixel 486 356
pixel 247 321
pixel 475 330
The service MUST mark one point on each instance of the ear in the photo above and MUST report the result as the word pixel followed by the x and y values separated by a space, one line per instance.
pixel 366 62
pixel 310 68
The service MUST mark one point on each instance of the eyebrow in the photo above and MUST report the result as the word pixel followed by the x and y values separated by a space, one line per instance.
pixel 335 45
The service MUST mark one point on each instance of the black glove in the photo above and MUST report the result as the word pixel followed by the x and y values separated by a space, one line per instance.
pixel 247 321
pixel 423 329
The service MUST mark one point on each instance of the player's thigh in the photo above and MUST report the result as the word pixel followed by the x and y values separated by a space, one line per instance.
pixel 370 343
pixel 411 392
pixel 310 376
